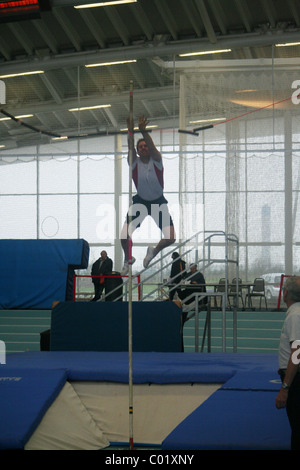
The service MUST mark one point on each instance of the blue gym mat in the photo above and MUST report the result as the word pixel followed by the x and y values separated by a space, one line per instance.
pixel 233 420
pixel 148 367
pixel 25 396
pixel 267 380
pixel 240 415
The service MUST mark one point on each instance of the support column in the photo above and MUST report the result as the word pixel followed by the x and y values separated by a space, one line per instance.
pixel 288 190
pixel 118 253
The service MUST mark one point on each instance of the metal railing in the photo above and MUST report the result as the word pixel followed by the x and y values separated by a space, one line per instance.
pixel 200 242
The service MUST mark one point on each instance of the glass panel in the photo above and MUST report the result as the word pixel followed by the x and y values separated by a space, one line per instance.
pixel 18 217
pixel 58 216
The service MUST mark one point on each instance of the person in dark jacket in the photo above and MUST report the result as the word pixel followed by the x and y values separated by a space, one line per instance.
pixel 103 266
pixel 177 274
pixel 196 279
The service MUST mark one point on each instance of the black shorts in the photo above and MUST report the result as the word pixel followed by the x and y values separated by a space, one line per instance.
pixel 157 209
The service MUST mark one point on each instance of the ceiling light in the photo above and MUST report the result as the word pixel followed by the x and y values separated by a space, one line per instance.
pixel 153 126
pixel 111 63
pixel 245 91
pixel 205 52
pixel 21 74
pixel 2 146
pixel 104 4
pixel 91 107
pixel 207 120
pixel 22 116
pixel 288 44
pixel 17 117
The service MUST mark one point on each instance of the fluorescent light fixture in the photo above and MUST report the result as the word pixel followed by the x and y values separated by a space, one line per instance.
pixel 2 146
pixel 207 120
pixel 101 64
pixel 91 107
pixel 21 74
pixel 204 52
pixel 104 4
pixel 136 128
pixel 23 116
pixel 288 44
pixel 63 137
pixel 246 91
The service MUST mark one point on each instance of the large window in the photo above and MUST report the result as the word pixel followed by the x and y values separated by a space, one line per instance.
pixel 240 176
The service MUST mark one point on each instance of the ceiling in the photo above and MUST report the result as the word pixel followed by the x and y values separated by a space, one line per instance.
pixel 63 41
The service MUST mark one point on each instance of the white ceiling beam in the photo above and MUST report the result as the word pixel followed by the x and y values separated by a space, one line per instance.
pixel 244 12
pixel 47 35
pixel 118 24
pixel 48 82
pixel 140 16
pixel 193 16
pixel 23 39
pixel 122 98
pixel 269 7
pixel 218 11
pixel 168 18
pixel 92 24
pixel 206 21
pixel 150 50
pixel 66 25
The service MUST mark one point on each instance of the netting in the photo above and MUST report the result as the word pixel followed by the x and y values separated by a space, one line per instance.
pixel 245 167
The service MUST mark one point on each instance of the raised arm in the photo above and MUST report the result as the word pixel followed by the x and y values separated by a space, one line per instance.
pixel 154 153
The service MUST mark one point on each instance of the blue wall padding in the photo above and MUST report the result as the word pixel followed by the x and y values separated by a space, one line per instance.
pixel 25 396
pixel 103 326
pixel 34 273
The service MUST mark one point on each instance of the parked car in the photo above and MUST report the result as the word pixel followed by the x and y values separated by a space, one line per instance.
pixel 272 285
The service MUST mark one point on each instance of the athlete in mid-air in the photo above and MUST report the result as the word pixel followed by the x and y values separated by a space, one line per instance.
pixel 148 177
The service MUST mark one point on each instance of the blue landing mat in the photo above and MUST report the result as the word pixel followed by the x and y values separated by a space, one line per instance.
pixel 25 396
pixel 147 367
pixel 233 420
pixel 254 380
pixel 240 415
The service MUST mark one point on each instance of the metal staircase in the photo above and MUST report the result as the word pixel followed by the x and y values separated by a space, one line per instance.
pixel 198 249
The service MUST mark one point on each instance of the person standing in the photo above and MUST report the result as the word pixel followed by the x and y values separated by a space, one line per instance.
pixel 289 394
pixel 148 177
pixel 103 266
pixel 177 274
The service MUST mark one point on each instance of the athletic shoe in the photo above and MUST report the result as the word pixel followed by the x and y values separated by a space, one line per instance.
pixel 188 307
pixel 149 256
pixel 125 269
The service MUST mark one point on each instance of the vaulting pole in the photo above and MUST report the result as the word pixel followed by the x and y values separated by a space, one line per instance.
pixel 131 145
